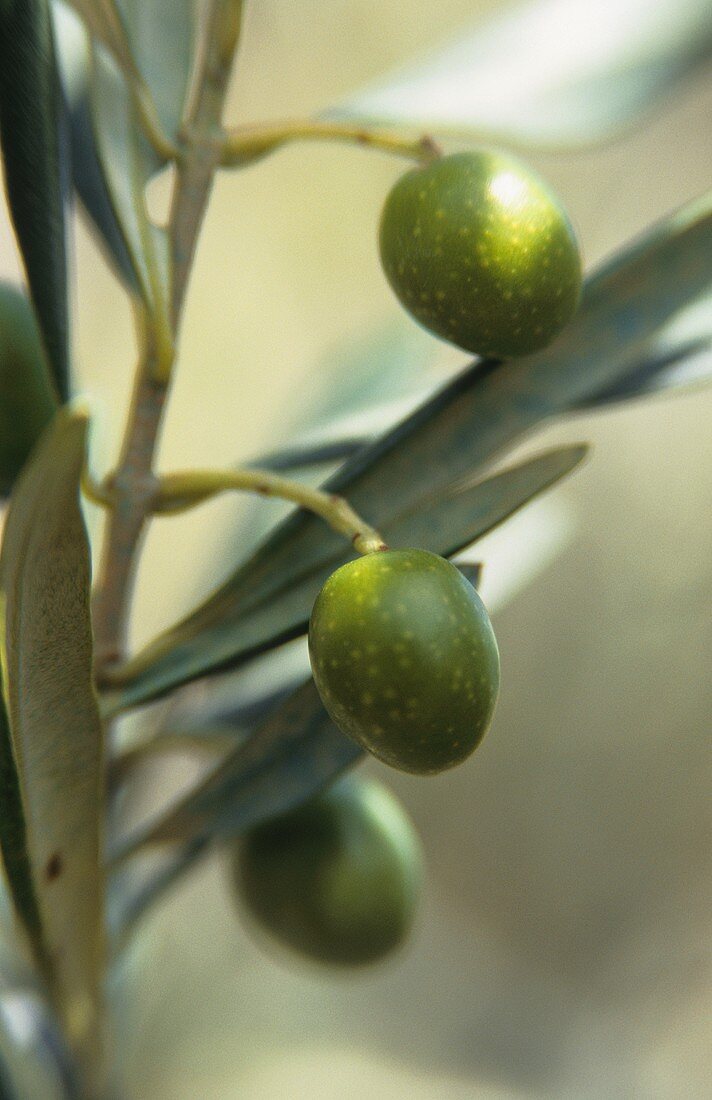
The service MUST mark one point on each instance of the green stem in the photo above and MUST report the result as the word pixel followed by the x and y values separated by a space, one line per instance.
pixel 248 143
pixel 179 492
pixel 134 485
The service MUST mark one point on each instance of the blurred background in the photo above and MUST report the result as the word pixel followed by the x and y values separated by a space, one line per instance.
pixel 563 944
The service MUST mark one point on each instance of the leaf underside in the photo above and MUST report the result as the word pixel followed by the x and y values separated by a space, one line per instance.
pixel 510 76
pixel 53 715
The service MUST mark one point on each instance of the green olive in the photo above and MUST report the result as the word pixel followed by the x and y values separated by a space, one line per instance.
pixel 480 251
pixel 405 659
pixel 27 398
pixel 336 879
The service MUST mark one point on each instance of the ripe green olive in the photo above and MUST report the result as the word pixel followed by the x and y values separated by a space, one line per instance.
pixel 480 251
pixel 405 659
pixel 27 398
pixel 336 879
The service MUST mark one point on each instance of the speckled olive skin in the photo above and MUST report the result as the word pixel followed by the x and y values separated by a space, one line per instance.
pixel 479 250
pixel 337 880
pixel 405 658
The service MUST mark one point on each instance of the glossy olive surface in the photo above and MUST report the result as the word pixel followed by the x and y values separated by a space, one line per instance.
pixel 479 250
pixel 27 399
pixel 337 879
pixel 405 658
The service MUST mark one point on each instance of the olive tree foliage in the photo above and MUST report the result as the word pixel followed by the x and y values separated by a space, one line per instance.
pixel 97 96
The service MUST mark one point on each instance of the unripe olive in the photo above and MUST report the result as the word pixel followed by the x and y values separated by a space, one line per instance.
pixel 27 398
pixel 479 250
pixel 336 879
pixel 405 659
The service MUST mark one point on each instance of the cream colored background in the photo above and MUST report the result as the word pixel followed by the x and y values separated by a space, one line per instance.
pixel 563 947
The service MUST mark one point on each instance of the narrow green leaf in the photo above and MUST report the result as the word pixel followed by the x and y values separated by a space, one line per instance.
pixel 27 396
pixel 293 755
pixel 161 36
pixel 46 649
pixel 13 844
pixel 454 518
pixel 127 162
pixel 73 54
pixel 662 370
pixel 34 1063
pixel 297 458
pixel 471 571
pixel 235 719
pixel 679 356
pixel 30 116
pixel 546 72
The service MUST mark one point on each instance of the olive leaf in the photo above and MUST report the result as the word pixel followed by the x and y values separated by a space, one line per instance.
pixel 550 73
pixel 30 120
pixel 296 752
pixel 471 571
pixel 74 57
pixel 160 41
pixel 28 399
pixel 127 162
pixel 444 522
pixel 13 844
pixel 680 356
pixel 308 455
pixel 161 38
pixel 33 1059
pixel 55 730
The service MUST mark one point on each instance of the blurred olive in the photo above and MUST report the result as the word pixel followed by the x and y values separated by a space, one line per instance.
pixel 336 879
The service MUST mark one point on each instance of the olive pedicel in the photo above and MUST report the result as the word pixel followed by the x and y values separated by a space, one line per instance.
pixel 337 879
pixel 405 659
pixel 480 251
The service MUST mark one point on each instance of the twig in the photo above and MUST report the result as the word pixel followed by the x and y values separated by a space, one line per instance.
pixel 240 146
pixel 178 492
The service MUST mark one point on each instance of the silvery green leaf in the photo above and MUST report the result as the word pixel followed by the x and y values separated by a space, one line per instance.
pixel 55 730
pixel 28 399
pixel 127 163
pixel 30 120
pixel 296 752
pixel 33 1059
pixel 73 54
pixel 545 72
pixel 309 455
pixel 161 36
pixel 680 357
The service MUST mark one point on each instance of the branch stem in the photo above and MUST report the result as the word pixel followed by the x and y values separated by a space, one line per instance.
pixel 134 486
